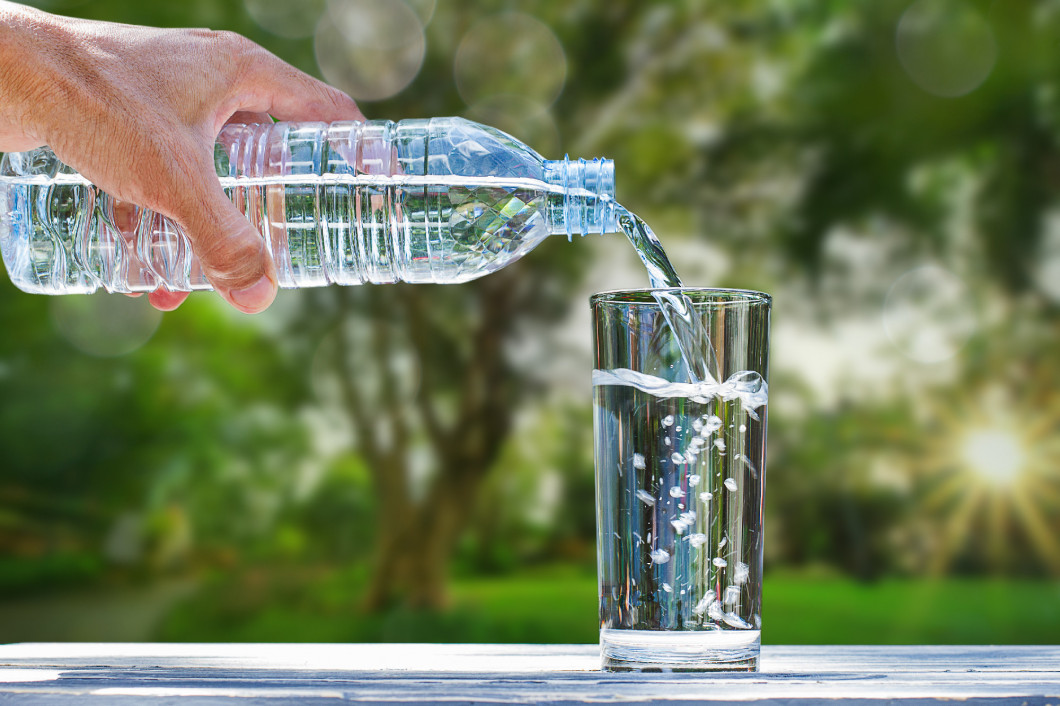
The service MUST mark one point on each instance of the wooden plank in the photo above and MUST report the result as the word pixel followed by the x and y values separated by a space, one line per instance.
pixel 385 657
pixel 510 674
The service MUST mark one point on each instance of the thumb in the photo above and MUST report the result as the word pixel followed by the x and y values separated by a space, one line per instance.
pixel 232 253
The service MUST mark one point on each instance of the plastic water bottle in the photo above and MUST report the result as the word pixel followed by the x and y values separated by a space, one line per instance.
pixel 443 200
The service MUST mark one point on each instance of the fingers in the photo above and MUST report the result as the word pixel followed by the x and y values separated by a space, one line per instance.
pixel 247 117
pixel 126 217
pixel 286 93
pixel 231 252
pixel 166 301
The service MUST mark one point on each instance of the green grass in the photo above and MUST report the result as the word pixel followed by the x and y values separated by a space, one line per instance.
pixel 559 605
pixel 556 605
pixel 553 606
pixel 901 611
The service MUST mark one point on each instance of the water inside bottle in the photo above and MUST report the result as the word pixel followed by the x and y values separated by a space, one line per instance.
pixel 319 228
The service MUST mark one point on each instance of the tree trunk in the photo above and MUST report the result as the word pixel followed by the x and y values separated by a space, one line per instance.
pixel 408 572
pixel 412 561
pixel 415 540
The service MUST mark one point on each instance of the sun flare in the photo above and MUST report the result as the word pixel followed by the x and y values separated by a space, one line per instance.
pixel 995 455
pixel 990 478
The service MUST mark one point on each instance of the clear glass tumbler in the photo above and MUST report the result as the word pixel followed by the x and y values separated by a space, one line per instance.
pixel 680 480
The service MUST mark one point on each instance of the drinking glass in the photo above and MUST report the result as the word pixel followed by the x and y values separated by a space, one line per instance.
pixel 680 478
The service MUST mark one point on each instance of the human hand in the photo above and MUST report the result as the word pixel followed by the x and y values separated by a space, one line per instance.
pixel 136 110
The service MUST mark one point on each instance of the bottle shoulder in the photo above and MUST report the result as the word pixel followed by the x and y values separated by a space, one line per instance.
pixel 460 146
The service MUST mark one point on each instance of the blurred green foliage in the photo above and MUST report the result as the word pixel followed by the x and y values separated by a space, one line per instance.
pixel 280 465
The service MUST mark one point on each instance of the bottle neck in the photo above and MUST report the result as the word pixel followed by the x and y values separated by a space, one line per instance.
pixel 584 198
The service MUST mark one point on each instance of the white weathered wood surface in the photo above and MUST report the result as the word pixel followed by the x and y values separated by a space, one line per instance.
pixel 503 674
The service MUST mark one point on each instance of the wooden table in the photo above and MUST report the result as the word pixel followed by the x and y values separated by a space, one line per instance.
pixel 502 674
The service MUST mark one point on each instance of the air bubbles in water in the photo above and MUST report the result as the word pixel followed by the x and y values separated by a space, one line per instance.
pixel 747 462
pixel 704 603
pixel 659 556
pixel 697 540
pixel 733 620
pixel 638 462
pixel 711 424
pixel 668 420
pixel 730 484
pixel 719 562
pixel 677 458
pixel 676 492
pixel 732 594
pixel 646 497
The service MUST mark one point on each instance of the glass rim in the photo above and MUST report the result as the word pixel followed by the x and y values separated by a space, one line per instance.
pixel 698 295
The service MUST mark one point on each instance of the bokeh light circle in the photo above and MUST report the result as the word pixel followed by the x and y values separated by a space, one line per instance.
pixel 424 9
pixel 946 46
pixel 372 49
pixel 510 53
pixel 284 18
pixel 929 315
pixel 521 118
pixel 105 325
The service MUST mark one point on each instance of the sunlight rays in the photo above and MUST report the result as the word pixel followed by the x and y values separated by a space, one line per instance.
pixel 990 476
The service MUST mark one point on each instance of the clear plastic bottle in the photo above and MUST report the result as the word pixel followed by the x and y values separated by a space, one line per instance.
pixel 443 200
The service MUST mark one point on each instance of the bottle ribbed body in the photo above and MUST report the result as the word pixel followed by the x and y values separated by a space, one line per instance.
pixel 441 200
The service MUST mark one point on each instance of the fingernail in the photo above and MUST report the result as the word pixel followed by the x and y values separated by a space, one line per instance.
pixel 256 297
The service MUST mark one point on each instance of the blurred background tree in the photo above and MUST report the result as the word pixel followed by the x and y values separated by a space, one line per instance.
pixel 415 463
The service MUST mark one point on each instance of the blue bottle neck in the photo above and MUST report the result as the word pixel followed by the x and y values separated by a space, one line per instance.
pixel 584 198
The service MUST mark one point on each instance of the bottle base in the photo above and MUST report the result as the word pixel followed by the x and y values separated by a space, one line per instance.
pixel 679 650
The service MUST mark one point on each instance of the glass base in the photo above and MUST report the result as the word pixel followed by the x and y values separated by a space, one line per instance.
pixel 679 651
